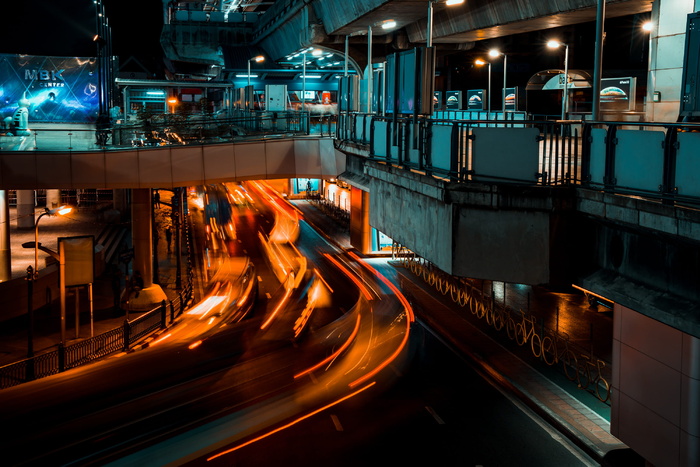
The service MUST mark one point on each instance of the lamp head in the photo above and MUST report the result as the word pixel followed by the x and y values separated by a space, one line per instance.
pixel 480 62
pixel 389 24
pixel 648 26
pixel 554 44
pixel 258 59
pixel 494 53
pixel 454 2
pixel 63 210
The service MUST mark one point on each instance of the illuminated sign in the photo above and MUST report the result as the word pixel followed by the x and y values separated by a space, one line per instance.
pixel 454 100
pixel 617 93
pixel 475 99
pixel 59 89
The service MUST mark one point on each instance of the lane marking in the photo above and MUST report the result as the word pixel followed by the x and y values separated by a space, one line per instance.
pixel 435 415
pixel 336 422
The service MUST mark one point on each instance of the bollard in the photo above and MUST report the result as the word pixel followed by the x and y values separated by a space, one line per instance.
pixel 61 357
pixel 126 335
pixel 163 315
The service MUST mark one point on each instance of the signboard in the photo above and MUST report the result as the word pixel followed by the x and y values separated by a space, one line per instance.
pixel 437 100
pixel 476 99
pixel 511 99
pixel 59 89
pixel 78 253
pixel 453 100
pixel 617 93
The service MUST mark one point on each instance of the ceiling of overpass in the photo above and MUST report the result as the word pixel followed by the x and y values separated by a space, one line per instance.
pixel 476 20
pixel 459 25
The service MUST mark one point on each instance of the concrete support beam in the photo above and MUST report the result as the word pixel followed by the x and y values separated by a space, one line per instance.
pixel 142 237
pixel 25 209
pixel 360 229
pixel 5 246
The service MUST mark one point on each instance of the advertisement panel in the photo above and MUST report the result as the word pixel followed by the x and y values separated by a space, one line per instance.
pixel 453 100
pixel 617 93
pixel 437 100
pixel 511 99
pixel 476 99
pixel 59 89
pixel 79 257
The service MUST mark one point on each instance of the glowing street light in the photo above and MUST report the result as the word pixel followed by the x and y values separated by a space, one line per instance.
pixel 33 275
pixel 480 62
pixel 429 33
pixel 565 97
pixel 496 53
pixel 257 59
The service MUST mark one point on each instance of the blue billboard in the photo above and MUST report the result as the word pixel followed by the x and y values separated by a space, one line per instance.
pixel 59 89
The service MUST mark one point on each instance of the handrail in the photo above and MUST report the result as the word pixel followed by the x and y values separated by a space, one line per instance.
pixel 652 160
pixel 122 338
pixel 168 130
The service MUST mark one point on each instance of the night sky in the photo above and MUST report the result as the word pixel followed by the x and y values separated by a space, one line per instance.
pixel 66 27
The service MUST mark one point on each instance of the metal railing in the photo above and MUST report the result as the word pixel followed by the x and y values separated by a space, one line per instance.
pixel 652 160
pixel 550 346
pixel 169 130
pixel 123 338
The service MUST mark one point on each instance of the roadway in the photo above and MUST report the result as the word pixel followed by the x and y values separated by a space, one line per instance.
pixel 172 403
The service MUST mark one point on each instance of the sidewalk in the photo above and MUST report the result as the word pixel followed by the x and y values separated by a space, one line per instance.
pixel 572 411
pixel 47 335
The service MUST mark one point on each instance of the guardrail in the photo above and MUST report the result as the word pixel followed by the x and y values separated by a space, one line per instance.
pixel 168 130
pixel 652 160
pixel 122 338
pixel 550 346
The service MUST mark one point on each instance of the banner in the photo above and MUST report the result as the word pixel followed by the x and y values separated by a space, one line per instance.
pixel 59 89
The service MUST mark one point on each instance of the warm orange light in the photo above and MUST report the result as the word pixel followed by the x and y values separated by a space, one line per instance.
pixel 294 422
pixel 387 282
pixel 172 100
pixel 194 345
pixel 335 354
pixel 479 62
pixel 352 277
pixel 281 304
pixel 161 339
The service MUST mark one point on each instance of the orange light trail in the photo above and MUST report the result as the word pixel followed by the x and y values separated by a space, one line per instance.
pixel 404 341
pixel 388 283
pixel 194 345
pixel 287 293
pixel 335 354
pixel 294 422
pixel 158 341
pixel 345 270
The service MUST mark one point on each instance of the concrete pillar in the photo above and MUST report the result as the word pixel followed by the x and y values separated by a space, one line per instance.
pixel 360 230
pixel 120 199
pixel 5 250
pixel 53 199
pixel 25 209
pixel 142 239
pixel 666 52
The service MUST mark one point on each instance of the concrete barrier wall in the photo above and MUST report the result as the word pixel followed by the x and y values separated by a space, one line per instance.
pixel 172 166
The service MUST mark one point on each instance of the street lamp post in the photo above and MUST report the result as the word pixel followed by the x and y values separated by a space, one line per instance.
pixel 495 53
pixel 481 62
pixel 429 32
pixel 257 59
pixel 565 97
pixel 33 274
